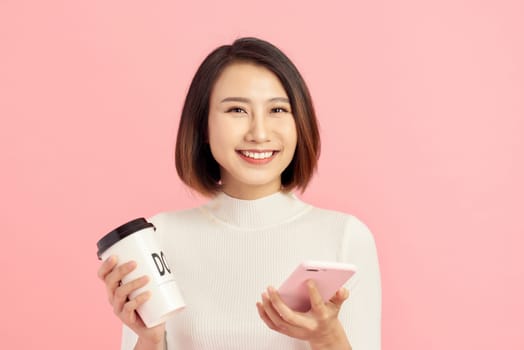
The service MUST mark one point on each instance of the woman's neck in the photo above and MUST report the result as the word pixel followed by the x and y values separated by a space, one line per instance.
pixel 251 192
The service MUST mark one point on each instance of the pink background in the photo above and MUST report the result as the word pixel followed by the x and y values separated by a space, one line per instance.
pixel 422 113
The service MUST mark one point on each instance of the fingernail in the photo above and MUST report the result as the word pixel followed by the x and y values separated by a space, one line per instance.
pixel 269 294
pixel 310 283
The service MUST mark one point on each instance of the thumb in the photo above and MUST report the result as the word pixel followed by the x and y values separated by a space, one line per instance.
pixel 340 297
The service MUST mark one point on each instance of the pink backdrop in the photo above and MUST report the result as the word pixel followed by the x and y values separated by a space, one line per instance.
pixel 422 113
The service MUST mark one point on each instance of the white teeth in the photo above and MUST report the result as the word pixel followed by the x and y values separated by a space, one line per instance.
pixel 257 155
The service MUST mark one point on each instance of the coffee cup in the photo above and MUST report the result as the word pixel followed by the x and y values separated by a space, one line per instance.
pixel 136 241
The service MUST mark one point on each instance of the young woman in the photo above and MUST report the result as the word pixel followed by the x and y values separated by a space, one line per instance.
pixel 247 138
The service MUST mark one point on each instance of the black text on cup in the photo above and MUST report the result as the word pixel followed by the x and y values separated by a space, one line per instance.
pixel 161 263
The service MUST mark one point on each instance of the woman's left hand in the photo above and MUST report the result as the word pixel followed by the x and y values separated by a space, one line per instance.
pixel 319 326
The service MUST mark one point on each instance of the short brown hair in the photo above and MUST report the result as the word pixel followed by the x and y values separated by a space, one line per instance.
pixel 194 162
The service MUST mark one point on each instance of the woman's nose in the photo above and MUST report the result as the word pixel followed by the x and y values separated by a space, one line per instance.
pixel 258 129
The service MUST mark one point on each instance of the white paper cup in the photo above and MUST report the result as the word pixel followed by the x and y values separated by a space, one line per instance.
pixel 135 241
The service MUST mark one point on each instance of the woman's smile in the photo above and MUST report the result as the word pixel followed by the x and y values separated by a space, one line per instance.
pixel 257 157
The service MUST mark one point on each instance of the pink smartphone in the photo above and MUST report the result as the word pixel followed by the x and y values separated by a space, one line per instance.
pixel 329 277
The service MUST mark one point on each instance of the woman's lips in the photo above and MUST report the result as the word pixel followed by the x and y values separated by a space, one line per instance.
pixel 257 157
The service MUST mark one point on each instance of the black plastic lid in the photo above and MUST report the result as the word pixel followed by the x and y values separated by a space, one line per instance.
pixel 121 232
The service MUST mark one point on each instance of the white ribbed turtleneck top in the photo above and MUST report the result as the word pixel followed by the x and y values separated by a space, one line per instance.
pixel 225 253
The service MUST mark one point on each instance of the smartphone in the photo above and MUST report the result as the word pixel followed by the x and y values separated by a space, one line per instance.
pixel 329 277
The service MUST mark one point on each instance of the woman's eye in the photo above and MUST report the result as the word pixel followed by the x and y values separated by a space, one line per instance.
pixel 236 110
pixel 279 110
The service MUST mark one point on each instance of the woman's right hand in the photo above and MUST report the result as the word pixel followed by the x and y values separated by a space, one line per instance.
pixel 123 307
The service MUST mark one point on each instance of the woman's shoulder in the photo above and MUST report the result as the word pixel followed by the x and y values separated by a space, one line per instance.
pixel 336 214
pixel 353 225
pixel 357 242
pixel 172 217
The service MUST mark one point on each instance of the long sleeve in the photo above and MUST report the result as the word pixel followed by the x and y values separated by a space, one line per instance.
pixel 362 312
pixel 226 252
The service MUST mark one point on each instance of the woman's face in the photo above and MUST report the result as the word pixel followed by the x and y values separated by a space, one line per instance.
pixel 252 132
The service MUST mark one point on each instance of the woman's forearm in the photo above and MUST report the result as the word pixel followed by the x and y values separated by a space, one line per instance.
pixel 337 341
pixel 142 344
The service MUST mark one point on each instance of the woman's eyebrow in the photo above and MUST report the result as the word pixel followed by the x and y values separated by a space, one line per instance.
pixel 279 99
pixel 247 100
